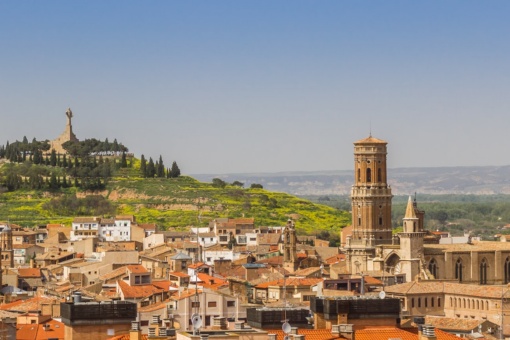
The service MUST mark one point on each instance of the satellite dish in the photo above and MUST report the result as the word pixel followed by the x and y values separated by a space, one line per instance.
pixel 196 321
pixel 286 327
pixel 382 295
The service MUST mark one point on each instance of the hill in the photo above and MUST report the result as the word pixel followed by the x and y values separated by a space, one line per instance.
pixel 479 180
pixel 171 203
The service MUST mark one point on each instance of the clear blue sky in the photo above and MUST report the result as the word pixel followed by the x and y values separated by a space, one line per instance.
pixel 263 86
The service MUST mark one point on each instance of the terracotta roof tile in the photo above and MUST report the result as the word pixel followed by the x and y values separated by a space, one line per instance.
pixel 310 334
pixel 29 272
pixel 137 292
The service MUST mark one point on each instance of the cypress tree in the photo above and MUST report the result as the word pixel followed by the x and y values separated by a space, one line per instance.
pixel 151 170
pixel 143 166
pixel 175 171
pixel 53 158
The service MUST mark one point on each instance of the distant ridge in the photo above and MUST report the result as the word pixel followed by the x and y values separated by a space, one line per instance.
pixel 475 180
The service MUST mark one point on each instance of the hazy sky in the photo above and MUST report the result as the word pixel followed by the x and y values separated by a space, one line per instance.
pixel 263 86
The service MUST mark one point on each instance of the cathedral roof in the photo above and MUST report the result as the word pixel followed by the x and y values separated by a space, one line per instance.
pixel 371 140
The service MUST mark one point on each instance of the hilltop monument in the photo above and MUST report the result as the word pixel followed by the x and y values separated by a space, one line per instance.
pixel 65 136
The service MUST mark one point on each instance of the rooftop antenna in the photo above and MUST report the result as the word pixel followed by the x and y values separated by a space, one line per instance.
pixel 370 127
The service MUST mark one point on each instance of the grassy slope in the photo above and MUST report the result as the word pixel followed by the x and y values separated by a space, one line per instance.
pixel 179 203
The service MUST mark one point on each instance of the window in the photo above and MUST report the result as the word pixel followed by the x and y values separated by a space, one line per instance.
pixel 211 304
pixel 231 303
pixel 369 175
pixel 195 304
pixel 412 303
pixel 183 265
pixel 426 303
pixel 458 270
pixel 439 302
pixel 433 268
pixel 483 272
pixel 379 177
pixel 431 302
pixel 208 259
pixel 419 302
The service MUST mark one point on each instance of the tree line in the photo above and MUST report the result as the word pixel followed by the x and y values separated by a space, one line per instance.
pixel 87 164
pixel 149 169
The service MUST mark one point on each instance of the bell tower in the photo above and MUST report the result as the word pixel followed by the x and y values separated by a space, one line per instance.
pixel 371 207
pixel 290 262
pixel 370 195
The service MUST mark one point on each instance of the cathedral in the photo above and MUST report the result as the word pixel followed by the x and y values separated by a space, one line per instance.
pixel 372 249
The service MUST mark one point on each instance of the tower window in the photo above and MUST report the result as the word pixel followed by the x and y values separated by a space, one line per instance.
pixel 379 176
pixel 380 220
pixel 359 175
pixel 483 272
pixel 369 175
pixel 458 270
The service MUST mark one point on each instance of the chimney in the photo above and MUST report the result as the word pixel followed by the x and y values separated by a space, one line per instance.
pixel 299 337
pixel 152 331
pixel 293 330
pixel 135 333
pixel 155 320
pixel 204 336
pixel 426 332
pixel 345 330
pixel 271 336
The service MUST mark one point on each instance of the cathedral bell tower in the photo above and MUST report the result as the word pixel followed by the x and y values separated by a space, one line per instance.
pixel 371 207
pixel 370 195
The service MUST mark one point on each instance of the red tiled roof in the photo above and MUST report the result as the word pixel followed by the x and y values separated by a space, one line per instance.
pixel 310 334
pixel 198 265
pixel 39 332
pixel 29 305
pixel 380 333
pixel 29 272
pixel 137 269
pixel 179 274
pixel 162 284
pixel 137 292
pixel 211 282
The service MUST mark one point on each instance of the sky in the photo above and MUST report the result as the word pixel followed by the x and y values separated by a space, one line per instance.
pixel 262 86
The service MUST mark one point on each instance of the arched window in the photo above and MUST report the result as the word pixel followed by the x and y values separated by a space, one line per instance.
pixel 432 302
pixel 451 302
pixel 458 270
pixel 433 268
pixel 359 175
pixel 379 175
pixel 412 302
pixel 369 175
pixel 507 270
pixel 483 272
pixel 426 303
pixel 464 302
pixel 469 304
pixel 419 302
pixel 439 302
pixel 477 304
pixel 486 305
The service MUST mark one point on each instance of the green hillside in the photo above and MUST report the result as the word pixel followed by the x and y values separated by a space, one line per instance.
pixel 172 203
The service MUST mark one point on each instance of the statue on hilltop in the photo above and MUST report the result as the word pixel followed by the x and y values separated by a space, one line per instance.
pixel 69 115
